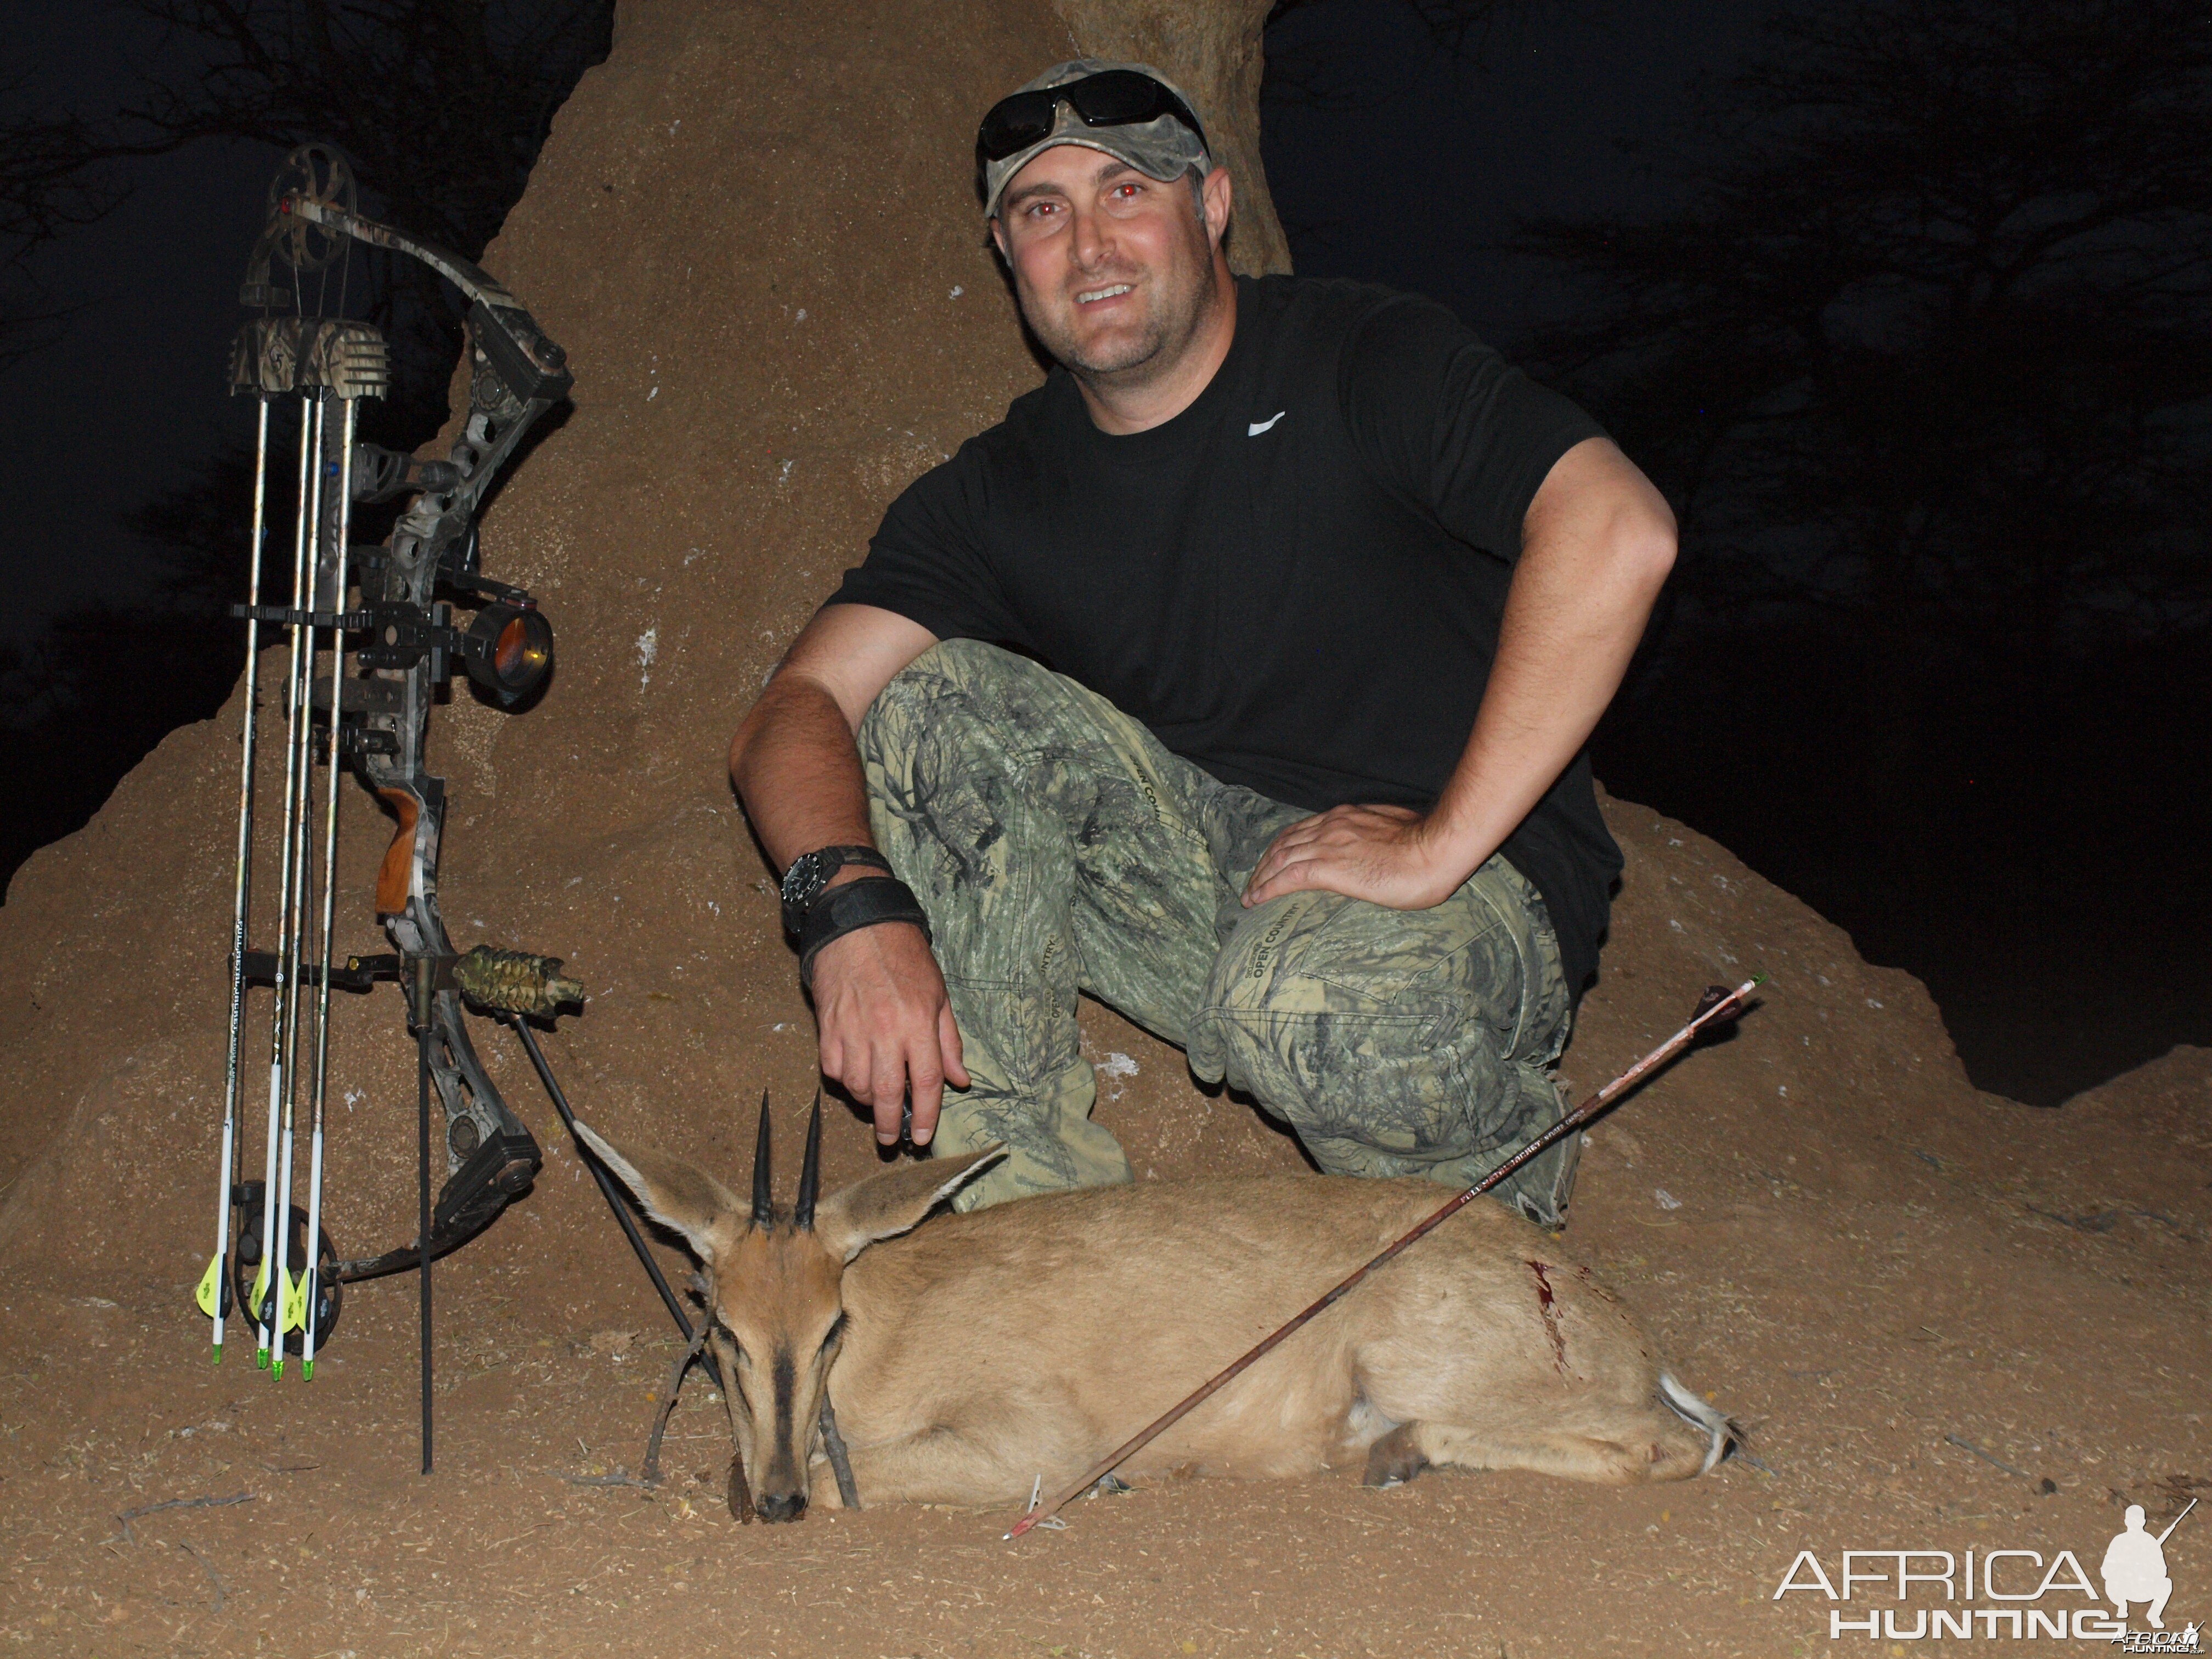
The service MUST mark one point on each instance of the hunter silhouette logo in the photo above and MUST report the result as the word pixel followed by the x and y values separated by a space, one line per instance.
pixel 2024 1593
pixel 2134 1569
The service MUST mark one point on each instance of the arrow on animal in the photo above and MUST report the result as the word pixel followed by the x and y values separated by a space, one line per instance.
pixel 1719 1005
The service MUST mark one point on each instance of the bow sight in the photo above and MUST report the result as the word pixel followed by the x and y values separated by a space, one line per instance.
pixel 391 608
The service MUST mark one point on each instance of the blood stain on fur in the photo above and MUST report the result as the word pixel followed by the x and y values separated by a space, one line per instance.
pixel 1547 1304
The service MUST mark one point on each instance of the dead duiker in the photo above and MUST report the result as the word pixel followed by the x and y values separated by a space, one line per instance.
pixel 968 1358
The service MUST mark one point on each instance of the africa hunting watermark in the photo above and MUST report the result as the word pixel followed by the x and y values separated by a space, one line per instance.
pixel 2133 1571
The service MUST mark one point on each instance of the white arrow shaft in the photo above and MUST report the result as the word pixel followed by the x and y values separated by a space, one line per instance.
pixel 242 888
pixel 289 881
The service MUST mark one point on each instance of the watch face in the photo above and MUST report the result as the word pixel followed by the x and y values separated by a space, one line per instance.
pixel 800 883
pixel 810 873
pixel 804 869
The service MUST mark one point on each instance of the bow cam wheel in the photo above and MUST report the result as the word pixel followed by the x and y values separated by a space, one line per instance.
pixel 321 174
pixel 246 1267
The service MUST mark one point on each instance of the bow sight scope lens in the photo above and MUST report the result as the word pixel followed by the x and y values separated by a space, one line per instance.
pixel 521 654
pixel 508 650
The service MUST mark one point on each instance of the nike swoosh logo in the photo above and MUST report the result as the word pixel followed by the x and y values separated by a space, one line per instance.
pixel 1258 427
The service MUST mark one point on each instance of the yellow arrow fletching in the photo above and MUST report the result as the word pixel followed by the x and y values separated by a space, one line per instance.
pixel 294 1302
pixel 209 1294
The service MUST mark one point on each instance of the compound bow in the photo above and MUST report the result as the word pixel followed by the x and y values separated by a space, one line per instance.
pixel 377 720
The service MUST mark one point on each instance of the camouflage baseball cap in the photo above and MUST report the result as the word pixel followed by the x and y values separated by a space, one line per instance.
pixel 1109 110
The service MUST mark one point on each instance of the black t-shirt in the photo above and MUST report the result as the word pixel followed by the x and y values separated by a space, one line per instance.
pixel 1296 583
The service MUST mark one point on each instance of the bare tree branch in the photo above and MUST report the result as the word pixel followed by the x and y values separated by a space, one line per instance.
pixel 1942 293
pixel 1300 72
pixel 50 184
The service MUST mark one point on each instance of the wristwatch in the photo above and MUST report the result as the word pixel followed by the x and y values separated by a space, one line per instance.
pixel 810 873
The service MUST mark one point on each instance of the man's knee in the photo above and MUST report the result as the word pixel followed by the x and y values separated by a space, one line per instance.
pixel 940 683
pixel 958 663
pixel 1322 959
pixel 1394 1042
pixel 1264 967
pixel 947 752
pixel 1350 1020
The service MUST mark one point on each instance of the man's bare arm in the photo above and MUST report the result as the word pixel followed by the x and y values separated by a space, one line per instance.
pixel 1597 544
pixel 886 1025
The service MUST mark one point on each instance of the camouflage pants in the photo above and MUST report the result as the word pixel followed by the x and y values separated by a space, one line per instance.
pixel 1059 848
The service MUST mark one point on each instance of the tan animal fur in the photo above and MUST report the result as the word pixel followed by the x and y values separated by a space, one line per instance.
pixel 967 1358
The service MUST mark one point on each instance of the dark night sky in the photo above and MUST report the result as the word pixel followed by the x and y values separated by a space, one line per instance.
pixel 133 393
pixel 1405 188
pixel 1414 183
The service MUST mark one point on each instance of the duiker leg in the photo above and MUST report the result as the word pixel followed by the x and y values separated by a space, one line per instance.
pixel 996 1462
pixel 1652 1444
pixel 1669 1435
pixel 1397 1458
pixel 741 1491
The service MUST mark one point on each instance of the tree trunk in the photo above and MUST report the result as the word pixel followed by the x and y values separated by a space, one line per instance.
pixel 1212 51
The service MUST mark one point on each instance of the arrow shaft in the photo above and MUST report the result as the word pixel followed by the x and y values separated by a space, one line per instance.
pixel 242 881
pixel 347 408
pixel 287 875
pixel 301 828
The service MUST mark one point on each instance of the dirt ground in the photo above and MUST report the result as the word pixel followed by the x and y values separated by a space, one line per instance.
pixel 1947 1321
pixel 1896 1285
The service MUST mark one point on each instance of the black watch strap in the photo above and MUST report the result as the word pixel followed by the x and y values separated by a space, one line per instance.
pixel 847 909
pixel 810 873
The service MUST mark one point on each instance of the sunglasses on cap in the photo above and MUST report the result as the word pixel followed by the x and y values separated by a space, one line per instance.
pixel 1111 97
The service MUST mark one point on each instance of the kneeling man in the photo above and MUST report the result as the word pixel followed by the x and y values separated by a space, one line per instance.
pixel 1240 678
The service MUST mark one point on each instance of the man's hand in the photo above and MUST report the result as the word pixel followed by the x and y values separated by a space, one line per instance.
pixel 887 1025
pixel 1384 855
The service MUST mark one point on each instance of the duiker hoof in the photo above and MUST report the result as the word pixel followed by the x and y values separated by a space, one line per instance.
pixel 1393 1460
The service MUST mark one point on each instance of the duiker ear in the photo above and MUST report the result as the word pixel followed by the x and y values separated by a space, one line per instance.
pixel 673 1193
pixel 887 1205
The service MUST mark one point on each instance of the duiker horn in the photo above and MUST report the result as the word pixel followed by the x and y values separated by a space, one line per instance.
pixel 763 1181
pixel 809 1172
